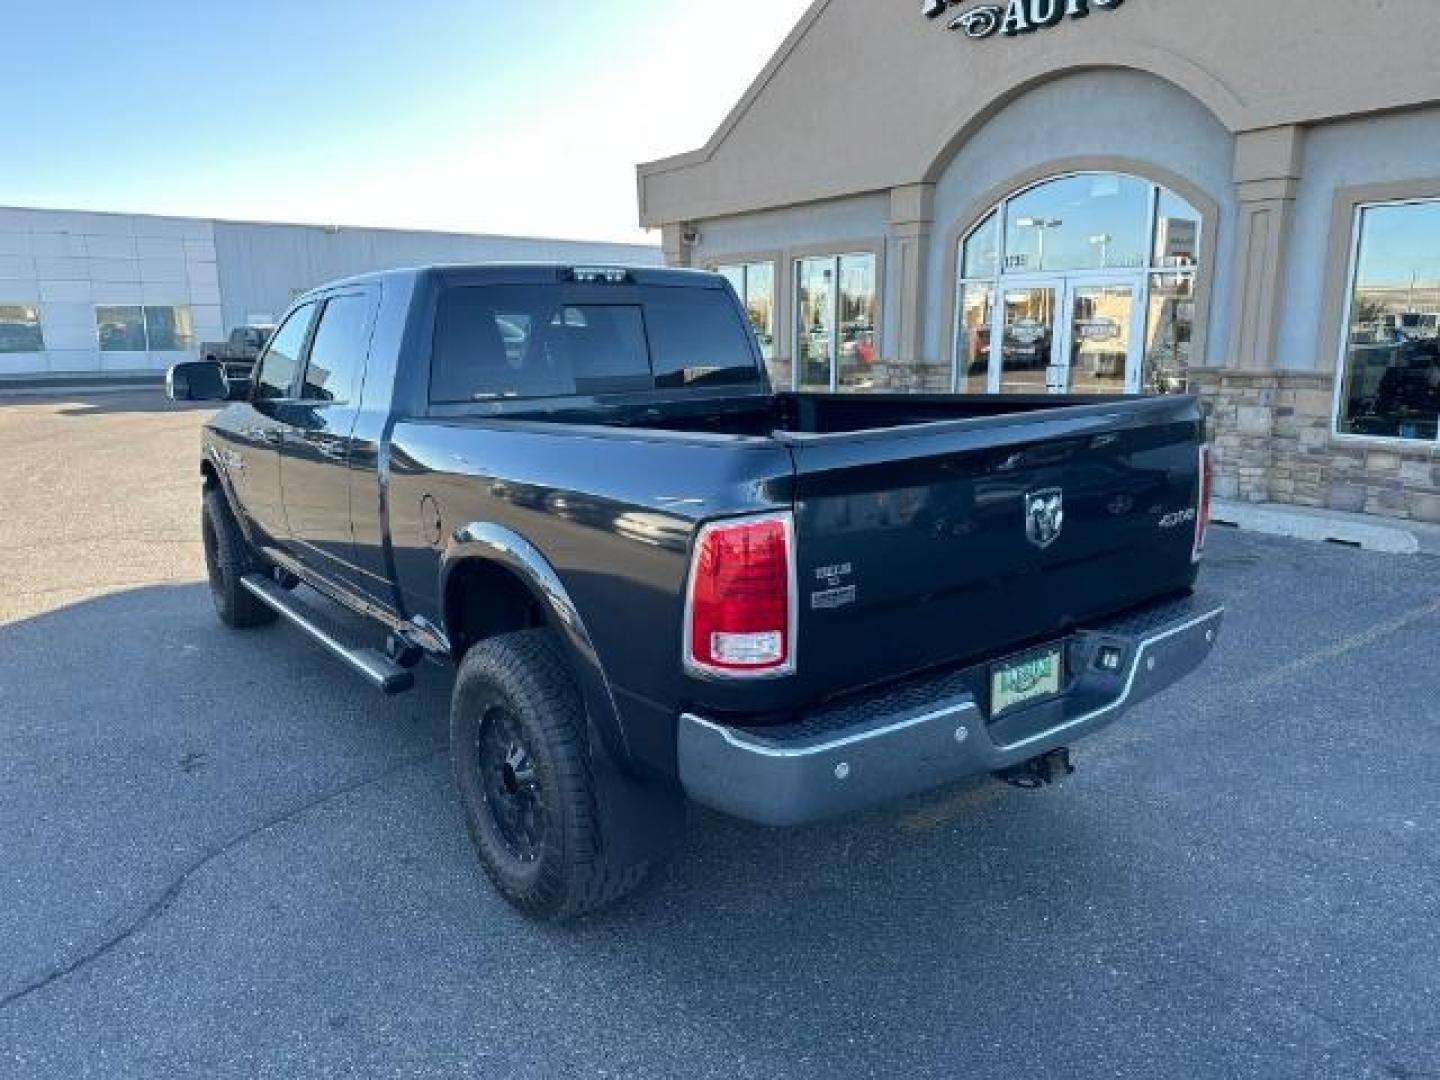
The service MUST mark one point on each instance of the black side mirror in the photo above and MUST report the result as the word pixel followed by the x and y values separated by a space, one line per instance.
pixel 197 380
pixel 239 389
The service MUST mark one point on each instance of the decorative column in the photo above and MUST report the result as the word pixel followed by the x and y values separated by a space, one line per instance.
pixel 912 213
pixel 1267 176
pixel 672 242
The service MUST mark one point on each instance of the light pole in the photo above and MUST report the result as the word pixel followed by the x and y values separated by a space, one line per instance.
pixel 1041 226
pixel 1102 241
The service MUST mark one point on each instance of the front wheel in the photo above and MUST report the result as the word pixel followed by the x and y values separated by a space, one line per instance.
pixel 517 739
pixel 228 558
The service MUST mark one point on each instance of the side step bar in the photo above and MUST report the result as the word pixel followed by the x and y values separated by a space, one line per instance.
pixel 383 673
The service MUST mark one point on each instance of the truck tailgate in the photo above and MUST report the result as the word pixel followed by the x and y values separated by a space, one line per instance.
pixel 944 542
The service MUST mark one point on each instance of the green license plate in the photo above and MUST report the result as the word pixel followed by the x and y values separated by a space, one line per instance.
pixel 1025 679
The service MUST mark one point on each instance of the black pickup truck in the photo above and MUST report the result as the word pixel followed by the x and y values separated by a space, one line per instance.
pixel 659 580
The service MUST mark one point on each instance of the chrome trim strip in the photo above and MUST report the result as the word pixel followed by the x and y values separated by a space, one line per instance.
pixel 739 743
pixel 1124 697
pixel 760 750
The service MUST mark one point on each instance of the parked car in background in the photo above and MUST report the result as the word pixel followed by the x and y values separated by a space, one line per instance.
pixel 237 354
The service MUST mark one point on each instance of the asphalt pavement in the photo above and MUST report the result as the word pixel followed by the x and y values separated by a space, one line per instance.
pixel 220 855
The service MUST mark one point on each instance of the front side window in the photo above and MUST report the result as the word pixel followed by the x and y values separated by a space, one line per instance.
pixel 281 361
pixel 20 329
pixel 1390 368
pixel 337 355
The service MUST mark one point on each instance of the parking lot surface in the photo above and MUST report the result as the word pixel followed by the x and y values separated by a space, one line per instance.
pixel 220 855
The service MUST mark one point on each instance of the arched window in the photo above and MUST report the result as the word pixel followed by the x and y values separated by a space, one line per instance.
pixel 1083 283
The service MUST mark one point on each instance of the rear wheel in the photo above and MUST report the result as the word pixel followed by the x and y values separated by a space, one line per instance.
pixel 228 558
pixel 517 738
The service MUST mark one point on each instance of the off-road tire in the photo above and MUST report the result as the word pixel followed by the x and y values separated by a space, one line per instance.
pixel 228 558
pixel 523 681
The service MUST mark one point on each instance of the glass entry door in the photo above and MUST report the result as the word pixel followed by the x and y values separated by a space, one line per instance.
pixel 1025 352
pixel 1076 335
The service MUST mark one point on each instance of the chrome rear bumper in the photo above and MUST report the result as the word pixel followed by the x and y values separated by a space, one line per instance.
pixel 930 732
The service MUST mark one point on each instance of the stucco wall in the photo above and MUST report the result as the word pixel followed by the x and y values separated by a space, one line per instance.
pixel 866 95
pixel 1376 150
pixel 1093 115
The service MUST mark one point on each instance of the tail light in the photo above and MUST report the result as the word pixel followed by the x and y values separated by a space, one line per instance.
pixel 740 608
pixel 1202 511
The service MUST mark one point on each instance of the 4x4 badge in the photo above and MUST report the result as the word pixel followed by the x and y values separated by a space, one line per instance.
pixel 1044 516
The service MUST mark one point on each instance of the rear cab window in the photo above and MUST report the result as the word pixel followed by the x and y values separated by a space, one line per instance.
pixel 547 340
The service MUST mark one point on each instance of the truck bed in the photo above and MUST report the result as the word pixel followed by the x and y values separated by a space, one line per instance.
pixel 910 518
pixel 784 415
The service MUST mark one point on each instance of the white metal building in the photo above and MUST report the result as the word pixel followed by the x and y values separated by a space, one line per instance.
pixel 98 293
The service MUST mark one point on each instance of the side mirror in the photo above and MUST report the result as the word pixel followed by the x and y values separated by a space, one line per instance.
pixel 197 380
pixel 239 390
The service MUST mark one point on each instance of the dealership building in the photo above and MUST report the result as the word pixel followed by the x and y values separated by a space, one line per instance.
pixel 1233 198
pixel 93 294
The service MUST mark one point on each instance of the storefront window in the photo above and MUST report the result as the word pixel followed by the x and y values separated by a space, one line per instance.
pixel 857 322
pixel 1390 371
pixel 1169 330
pixel 835 322
pixel 1094 221
pixel 120 329
pixel 1066 248
pixel 977 313
pixel 20 329
pixel 754 283
pixel 981 256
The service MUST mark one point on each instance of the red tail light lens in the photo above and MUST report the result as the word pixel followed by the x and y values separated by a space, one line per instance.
pixel 1202 511
pixel 740 606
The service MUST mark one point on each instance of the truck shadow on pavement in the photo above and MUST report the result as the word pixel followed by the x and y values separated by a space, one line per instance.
pixel 146 742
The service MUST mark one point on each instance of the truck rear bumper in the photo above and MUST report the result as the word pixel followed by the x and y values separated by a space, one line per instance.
pixel 936 730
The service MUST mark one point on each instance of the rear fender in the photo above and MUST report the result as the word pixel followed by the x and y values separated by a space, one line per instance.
pixel 639 819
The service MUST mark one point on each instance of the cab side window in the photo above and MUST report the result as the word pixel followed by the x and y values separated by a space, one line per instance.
pixel 281 362
pixel 337 355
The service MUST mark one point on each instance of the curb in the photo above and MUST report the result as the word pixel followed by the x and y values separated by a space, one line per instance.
pixel 1393 537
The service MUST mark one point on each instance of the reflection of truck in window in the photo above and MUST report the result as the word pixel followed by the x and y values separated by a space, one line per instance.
pixel 238 352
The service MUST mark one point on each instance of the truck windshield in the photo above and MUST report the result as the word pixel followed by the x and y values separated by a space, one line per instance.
pixel 534 341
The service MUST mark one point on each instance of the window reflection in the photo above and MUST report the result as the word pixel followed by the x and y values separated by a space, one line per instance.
pixel 120 328
pixel 754 283
pixel 20 329
pixel 1390 382
pixel 857 322
pixel 835 322
pixel 815 322
pixel 977 312
pixel 1092 221
pixel 1084 236
pixel 1169 330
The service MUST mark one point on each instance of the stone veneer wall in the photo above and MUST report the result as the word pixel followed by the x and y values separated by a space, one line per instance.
pixel 1272 436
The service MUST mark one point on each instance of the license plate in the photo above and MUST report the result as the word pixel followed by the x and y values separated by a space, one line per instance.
pixel 1025 679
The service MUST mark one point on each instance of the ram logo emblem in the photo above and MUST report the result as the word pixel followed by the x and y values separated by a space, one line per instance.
pixel 1044 516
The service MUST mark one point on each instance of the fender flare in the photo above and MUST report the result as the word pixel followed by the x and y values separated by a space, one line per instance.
pixel 640 820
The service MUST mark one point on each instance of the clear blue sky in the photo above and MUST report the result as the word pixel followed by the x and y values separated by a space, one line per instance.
pixel 515 116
